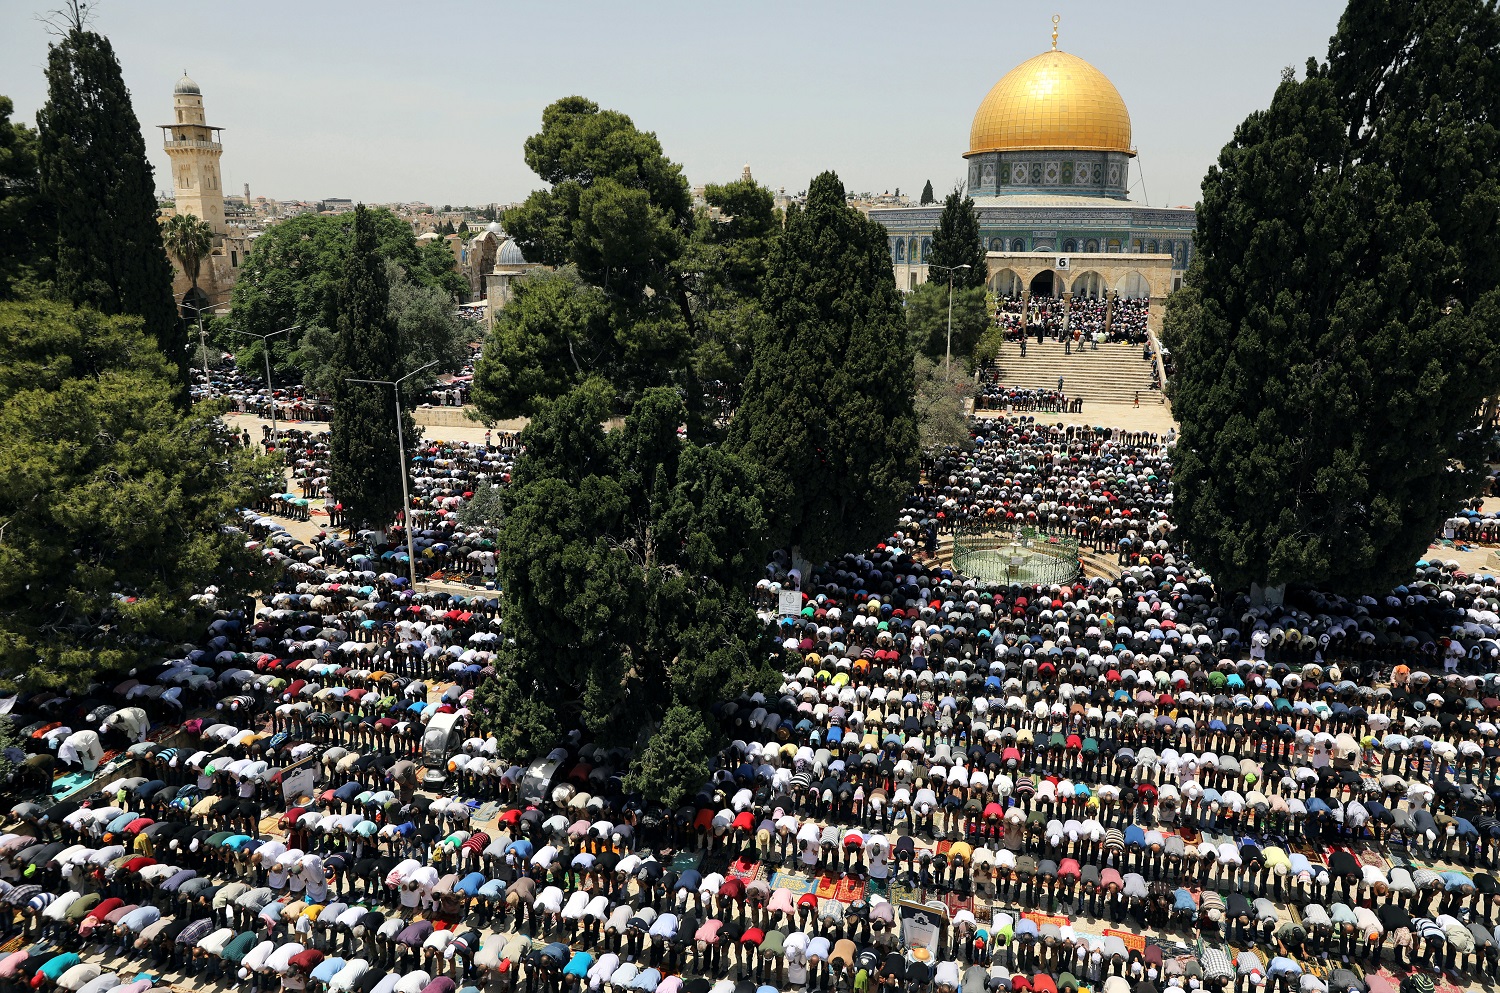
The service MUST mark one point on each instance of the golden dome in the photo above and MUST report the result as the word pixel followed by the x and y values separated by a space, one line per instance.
pixel 1054 101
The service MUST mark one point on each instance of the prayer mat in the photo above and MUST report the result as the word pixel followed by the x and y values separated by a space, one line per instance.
pixel 850 890
pixel 683 861
pixel 956 903
pixel 745 874
pixel 798 885
pixel 65 784
pixel 1040 919
pixel 827 886
pixel 1134 942
pixel 1313 855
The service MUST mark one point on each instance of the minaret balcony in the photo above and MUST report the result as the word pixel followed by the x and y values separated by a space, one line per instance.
pixel 207 146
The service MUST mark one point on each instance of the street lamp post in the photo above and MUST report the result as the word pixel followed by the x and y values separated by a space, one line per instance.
pixel 265 350
pixel 202 343
pixel 411 552
pixel 948 353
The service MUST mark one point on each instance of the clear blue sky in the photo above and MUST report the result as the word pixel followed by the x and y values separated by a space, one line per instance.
pixel 384 100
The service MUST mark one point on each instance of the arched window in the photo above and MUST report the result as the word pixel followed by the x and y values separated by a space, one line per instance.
pixel 1070 246
pixel 1151 248
pixel 1092 246
pixel 926 247
pixel 997 244
pixel 1114 244
pixel 914 251
pixel 900 250
pixel 1018 245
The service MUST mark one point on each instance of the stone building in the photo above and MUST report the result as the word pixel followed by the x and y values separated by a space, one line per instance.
pixel 510 265
pixel 1049 170
pixel 478 258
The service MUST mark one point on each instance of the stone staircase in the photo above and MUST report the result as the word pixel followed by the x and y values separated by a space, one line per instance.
pixel 1113 374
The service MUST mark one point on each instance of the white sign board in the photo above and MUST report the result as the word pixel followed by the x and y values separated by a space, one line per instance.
pixel 299 782
pixel 1062 262
pixel 790 603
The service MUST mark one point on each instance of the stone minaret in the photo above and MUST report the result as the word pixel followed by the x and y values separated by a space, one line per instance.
pixel 193 146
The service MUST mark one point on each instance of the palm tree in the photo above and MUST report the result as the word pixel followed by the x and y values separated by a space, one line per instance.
pixel 188 239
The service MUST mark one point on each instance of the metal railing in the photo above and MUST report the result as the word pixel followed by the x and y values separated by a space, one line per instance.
pixel 1161 366
pixel 994 554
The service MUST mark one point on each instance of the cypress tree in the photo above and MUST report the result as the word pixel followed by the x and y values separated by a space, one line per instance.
pixel 829 400
pixel 1335 344
pixel 364 466
pixel 26 236
pixel 99 188
pixel 956 242
pixel 927 196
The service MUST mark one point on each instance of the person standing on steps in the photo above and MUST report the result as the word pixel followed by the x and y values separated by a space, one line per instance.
pixel 1137 398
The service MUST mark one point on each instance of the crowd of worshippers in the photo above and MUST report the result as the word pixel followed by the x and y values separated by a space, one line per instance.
pixel 453 393
pixel 1127 749
pixel 443 475
pixel 1108 488
pixel 1472 523
pixel 990 393
pixel 1138 749
pixel 248 395
pixel 1081 321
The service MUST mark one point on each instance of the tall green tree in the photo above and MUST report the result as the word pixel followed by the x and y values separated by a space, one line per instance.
pixel 27 235
pixel 678 286
pixel 113 510
pixel 623 559
pixel 189 239
pixel 292 278
pixel 98 184
pixel 556 332
pixel 364 466
pixel 927 195
pixel 927 318
pixel 1337 337
pixel 956 242
pixel 828 408
pixel 618 208
pixel 426 320
pixel 674 764
pixel 942 417
pixel 723 267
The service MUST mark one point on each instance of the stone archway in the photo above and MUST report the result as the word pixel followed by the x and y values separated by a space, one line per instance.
pixel 1089 286
pixel 1007 283
pixel 193 300
pixel 1044 284
pixel 1133 285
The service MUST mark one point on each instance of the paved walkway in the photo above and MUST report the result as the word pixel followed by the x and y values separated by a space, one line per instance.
pixel 1151 416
